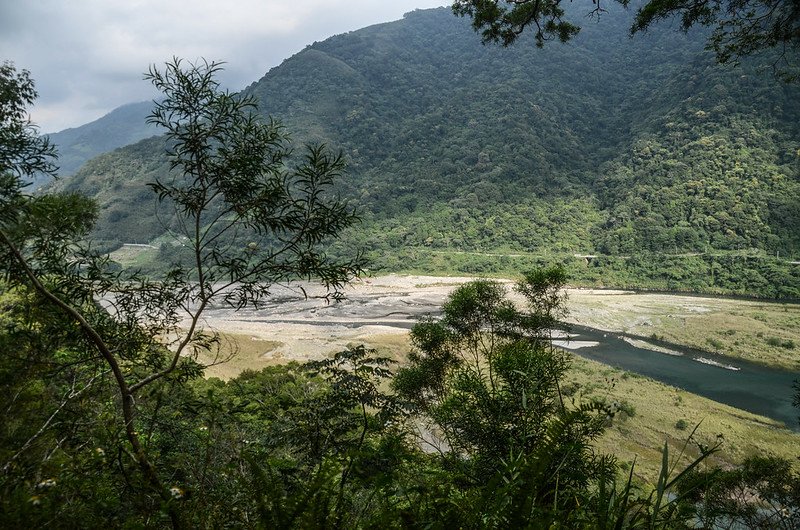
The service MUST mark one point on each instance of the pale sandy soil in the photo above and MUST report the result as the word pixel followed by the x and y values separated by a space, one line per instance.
pixel 294 328
pixel 299 328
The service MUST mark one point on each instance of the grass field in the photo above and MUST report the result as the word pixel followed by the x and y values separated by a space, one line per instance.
pixel 662 413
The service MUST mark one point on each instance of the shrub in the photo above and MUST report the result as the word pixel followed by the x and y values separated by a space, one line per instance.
pixel 776 342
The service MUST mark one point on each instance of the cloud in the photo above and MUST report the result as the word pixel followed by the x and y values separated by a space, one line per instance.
pixel 88 56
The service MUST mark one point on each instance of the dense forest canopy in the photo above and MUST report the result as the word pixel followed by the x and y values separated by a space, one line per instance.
pixel 120 127
pixel 477 159
pixel 769 29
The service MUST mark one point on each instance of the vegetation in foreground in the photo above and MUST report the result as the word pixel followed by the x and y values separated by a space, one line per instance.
pixel 651 412
pixel 479 430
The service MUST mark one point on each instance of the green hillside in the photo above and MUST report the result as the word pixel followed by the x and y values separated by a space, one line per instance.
pixel 658 167
pixel 122 126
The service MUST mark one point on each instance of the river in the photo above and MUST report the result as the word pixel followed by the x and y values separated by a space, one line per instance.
pixel 398 302
pixel 741 384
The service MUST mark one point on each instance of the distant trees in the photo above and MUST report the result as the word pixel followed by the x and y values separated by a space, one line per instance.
pixel 741 27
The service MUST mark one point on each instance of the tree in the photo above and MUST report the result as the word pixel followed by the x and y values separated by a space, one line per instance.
pixel 23 152
pixel 763 492
pixel 247 218
pixel 486 380
pixel 741 27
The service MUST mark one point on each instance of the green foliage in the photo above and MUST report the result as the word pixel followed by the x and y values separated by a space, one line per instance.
pixel 674 179
pixel 105 425
pixel 485 382
pixel 742 27
pixel 23 153
pixel 122 126
pixel 505 21
pixel 764 492
pixel 326 445
pixel 781 343
pixel 109 351
pixel 247 220
pixel 685 183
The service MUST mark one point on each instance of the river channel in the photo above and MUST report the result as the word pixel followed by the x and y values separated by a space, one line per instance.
pixel 741 384
pixel 397 303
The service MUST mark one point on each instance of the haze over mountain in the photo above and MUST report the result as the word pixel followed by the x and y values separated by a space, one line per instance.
pixel 122 126
pixel 642 150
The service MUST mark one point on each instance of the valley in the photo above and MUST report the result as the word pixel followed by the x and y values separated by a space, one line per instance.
pixel 293 305
pixel 679 178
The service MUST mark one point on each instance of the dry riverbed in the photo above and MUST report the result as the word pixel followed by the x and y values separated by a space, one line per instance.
pixel 294 328
pixel 379 311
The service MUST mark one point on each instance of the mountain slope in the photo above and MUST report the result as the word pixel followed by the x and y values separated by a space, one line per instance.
pixel 122 126
pixel 605 145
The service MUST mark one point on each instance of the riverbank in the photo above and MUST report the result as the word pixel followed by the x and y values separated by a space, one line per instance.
pixel 293 328
pixel 663 413
pixel 763 332
pixel 766 333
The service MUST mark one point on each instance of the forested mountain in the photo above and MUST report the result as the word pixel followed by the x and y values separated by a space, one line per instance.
pixel 667 169
pixel 122 126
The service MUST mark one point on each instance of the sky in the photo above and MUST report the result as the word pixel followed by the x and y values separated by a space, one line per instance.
pixel 88 57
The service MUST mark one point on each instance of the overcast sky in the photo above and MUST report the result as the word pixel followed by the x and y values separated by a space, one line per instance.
pixel 87 57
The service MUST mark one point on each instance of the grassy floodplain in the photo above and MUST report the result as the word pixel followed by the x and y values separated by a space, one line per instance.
pixel 662 413
pixel 657 412
pixel 760 331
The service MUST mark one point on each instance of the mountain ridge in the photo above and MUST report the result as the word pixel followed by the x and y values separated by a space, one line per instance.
pixel 122 126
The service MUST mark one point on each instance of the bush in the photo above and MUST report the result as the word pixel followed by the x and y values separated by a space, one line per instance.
pixel 776 342
pixel 626 409
pixel 681 425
